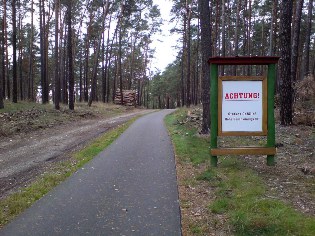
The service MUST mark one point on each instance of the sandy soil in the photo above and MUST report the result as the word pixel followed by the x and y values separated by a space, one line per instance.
pixel 25 156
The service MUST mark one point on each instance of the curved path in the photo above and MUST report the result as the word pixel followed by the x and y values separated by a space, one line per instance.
pixel 128 189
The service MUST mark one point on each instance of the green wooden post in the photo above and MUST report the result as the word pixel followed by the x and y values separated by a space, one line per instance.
pixel 214 111
pixel 271 136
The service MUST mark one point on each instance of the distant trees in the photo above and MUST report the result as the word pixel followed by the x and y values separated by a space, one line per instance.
pixel 106 48
pixel 102 51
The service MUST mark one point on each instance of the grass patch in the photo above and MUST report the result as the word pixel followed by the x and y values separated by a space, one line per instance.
pixel 16 203
pixel 188 146
pixel 240 193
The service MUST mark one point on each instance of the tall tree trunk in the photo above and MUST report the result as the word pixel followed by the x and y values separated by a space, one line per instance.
pixel 183 61
pixel 106 91
pixel 103 69
pixel 249 28
pixel 81 78
pixel 96 53
pixel 8 83
pixel 30 93
pixel 285 63
pixel 236 37
pixel 188 34
pixel 2 78
pixel 1 98
pixel 273 28
pixel 205 25
pixel 3 62
pixel 43 54
pixel 296 39
pixel 223 38
pixel 14 68
pixel 57 79
pixel 20 50
pixel 308 38
pixel 217 26
pixel 70 56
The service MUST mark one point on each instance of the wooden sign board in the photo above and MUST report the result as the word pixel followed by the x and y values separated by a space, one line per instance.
pixel 242 106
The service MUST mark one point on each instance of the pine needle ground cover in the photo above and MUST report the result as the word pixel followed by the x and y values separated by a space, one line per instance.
pixel 229 200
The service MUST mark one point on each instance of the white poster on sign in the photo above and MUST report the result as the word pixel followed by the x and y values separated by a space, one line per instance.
pixel 242 106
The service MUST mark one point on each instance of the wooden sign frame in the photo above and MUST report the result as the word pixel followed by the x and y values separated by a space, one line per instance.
pixel 269 149
pixel 263 131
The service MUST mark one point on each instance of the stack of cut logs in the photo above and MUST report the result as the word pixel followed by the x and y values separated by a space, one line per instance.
pixel 129 97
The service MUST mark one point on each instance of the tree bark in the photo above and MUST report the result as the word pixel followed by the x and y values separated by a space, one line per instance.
pixel 43 66
pixel 57 79
pixel 296 39
pixel 97 51
pixel 188 53
pixel 1 98
pixel 30 85
pixel 308 39
pixel 237 26
pixel 8 83
pixel 205 25
pixel 14 68
pixel 285 63
pixel 3 62
pixel 20 53
pixel 70 56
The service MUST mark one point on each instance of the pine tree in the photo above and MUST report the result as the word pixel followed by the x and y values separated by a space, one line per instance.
pixel 205 25
pixel 285 62
pixel 14 68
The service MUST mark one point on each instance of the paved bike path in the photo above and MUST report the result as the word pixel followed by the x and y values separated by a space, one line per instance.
pixel 128 189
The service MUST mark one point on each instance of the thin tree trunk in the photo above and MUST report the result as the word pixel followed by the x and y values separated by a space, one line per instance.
pixel 296 39
pixel 6 51
pixel 120 67
pixel 308 38
pixel 81 79
pixel 1 99
pixel 183 61
pixel 249 28
pixel 103 69
pixel 3 61
pixel 188 35
pixel 43 54
pixel 223 38
pixel 237 26
pixel 14 68
pixel 70 56
pixel 2 78
pixel 20 57
pixel 57 79
pixel 30 94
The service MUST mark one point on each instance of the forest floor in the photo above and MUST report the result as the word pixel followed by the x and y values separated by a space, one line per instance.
pixel 33 137
pixel 291 180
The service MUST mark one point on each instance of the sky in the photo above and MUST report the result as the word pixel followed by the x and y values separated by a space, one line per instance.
pixel 164 43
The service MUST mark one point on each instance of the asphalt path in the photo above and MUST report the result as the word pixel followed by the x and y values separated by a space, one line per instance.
pixel 128 189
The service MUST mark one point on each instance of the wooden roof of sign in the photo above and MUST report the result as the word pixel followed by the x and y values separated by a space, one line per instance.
pixel 256 60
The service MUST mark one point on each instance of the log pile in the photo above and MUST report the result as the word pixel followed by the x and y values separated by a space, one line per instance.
pixel 129 97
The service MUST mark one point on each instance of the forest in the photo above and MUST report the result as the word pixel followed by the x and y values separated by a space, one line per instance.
pixel 65 52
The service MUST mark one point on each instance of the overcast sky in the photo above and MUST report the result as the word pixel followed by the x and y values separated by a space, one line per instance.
pixel 164 43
